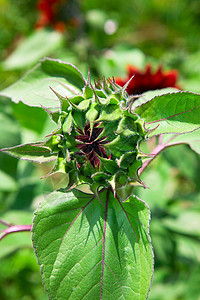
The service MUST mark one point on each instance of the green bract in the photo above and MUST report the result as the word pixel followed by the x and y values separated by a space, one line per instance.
pixel 97 138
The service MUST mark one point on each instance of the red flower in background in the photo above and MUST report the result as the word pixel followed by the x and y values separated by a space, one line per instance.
pixel 148 80
pixel 48 10
pixel 57 14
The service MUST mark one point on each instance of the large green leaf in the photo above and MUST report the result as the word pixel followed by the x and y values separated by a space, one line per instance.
pixel 91 248
pixel 33 89
pixel 26 116
pixel 148 95
pixel 171 113
pixel 39 44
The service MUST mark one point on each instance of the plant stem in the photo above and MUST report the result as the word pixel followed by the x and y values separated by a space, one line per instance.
pixel 14 229
pixel 154 153
pixel 5 223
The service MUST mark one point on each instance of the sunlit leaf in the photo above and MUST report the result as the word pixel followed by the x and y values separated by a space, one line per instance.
pixel 171 113
pixel 39 44
pixel 33 89
pixel 91 249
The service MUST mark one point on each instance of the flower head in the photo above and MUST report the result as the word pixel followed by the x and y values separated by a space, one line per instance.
pixel 98 138
pixel 91 146
pixel 148 80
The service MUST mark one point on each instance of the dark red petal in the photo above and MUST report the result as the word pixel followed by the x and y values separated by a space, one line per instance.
pixel 94 160
pixel 83 138
pixel 78 130
pixel 148 80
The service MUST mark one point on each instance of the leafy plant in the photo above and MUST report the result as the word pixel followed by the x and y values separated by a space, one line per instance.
pixel 91 236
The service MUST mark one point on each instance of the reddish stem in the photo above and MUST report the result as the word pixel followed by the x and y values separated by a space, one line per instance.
pixel 154 153
pixel 14 229
pixel 5 223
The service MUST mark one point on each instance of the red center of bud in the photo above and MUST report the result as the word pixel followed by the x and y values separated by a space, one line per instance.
pixel 91 145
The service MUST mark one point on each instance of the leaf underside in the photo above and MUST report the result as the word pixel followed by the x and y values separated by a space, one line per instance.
pixel 91 248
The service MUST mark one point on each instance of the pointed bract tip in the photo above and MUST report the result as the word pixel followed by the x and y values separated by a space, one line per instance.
pixel 60 97
pixel 89 78
pixel 127 83
pixel 95 94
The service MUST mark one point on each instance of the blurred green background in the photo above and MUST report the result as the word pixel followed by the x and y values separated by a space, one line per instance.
pixel 105 36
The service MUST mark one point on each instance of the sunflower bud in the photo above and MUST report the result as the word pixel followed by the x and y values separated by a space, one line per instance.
pixel 98 138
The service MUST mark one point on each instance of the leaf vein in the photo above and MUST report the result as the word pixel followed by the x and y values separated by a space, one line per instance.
pixel 115 279
pixel 80 261
pixel 85 276
pixel 103 250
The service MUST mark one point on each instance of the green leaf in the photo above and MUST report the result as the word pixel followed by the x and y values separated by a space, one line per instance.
pixel 92 112
pixel 191 138
pixel 171 113
pixel 67 126
pixel 109 165
pixel 186 223
pixel 32 152
pixel 9 130
pixel 148 95
pixel 91 249
pixel 83 105
pixel 7 183
pixel 122 144
pixel 33 48
pixel 26 116
pixel 33 89
pixel 127 127
pixel 114 62
pixel 110 112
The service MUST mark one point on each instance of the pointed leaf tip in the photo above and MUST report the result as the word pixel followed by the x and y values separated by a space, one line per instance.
pixel 33 152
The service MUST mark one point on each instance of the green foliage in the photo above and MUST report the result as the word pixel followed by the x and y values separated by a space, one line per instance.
pixel 169 38
pixel 12 243
pixel 93 248
pixel 175 237
pixel 193 139
pixel 20 276
pixel 33 152
pixel 34 88
pixel 171 113
pixel 41 43
pixel 96 245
